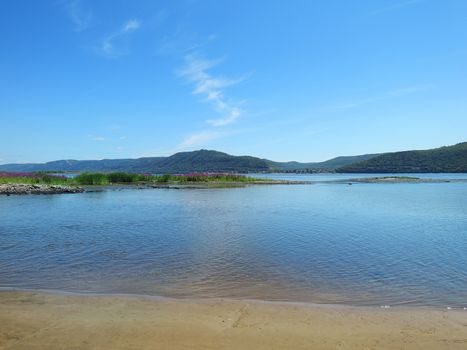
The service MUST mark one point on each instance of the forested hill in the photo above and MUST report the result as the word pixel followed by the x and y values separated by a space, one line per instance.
pixel 449 159
pixel 196 161
pixel 444 159
pixel 183 162
pixel 206 160
pixel 330 164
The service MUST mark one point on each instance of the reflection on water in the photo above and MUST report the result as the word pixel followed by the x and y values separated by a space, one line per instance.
pixel 367 244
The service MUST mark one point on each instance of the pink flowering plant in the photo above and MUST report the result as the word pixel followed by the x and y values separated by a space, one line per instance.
pixel 32 178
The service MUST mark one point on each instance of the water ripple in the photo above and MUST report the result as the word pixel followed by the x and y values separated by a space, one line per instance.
pixel 364 244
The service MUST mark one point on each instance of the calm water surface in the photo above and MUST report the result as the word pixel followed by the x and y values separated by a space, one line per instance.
pixel 366 244
pixel 327 177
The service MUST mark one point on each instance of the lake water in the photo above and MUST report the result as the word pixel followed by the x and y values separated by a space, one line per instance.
pixel 329 177
pixel 366 244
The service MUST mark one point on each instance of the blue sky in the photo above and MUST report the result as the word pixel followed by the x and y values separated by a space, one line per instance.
pixel 296 80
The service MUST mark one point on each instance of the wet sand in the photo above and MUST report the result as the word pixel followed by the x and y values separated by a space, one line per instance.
pixel 48 321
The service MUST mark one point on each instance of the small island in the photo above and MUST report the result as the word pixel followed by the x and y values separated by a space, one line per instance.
pixel 397 179
pixel 50 183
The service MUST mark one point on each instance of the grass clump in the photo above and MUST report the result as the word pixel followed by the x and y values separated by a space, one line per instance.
pixel 121 177
pixel 111 178
pixel 91 179
pixel 212 177
pixel 202 177
pixel 163 178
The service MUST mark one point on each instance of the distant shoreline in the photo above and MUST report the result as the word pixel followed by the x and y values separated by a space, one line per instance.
pixel 438 160
pixel 45 183
pixel 194 299
pixel 25 188
pixel 401 179
pixel 38 189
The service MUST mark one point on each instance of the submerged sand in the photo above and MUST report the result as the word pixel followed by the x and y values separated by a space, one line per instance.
pixel 46 321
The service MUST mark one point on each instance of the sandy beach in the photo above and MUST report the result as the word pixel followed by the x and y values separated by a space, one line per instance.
pixel 48 321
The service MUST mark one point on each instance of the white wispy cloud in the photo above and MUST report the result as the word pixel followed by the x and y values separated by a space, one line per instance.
pixel 198 139
pixel 410 90
pixel 233 114
pixel 211 88
pixel 96 138
pixel 130 26
pixel 181 41
pixel 79 16
pixel 108 45
pixel 401 92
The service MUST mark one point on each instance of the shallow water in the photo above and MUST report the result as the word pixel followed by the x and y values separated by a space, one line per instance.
pixel 366 244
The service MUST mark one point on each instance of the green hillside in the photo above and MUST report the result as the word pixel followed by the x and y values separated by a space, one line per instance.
pixel 205 160
pixel 183 162
pixel 330 164
pixel 444 159
pixel 450 159
pixel 338 162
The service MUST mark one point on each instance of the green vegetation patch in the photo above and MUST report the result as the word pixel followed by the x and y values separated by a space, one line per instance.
pixel 89 179
pixel 450 159
pixel 127 178
pixel 32 178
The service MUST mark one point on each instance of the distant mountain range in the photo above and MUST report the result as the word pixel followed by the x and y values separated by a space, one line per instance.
pixel 444 159
pixel 183 162
pixel 450 159
pixel 331 164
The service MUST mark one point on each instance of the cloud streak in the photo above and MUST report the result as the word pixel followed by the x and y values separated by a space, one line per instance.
pixel 198 139
pixel 80 17
pixel 96 138
pixel 410 90
pixel 108 45
pixel 196 71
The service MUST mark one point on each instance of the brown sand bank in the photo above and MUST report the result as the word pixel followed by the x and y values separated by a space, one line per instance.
pixel 45 321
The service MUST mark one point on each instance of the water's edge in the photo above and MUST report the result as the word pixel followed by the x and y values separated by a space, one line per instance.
pixel 207 300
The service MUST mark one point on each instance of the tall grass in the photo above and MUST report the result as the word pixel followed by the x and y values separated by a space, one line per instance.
pixel 125 177
pixel 89 178
pixel 211 177
pixel 111 178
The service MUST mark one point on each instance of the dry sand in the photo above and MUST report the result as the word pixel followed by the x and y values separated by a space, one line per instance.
pixel 46 321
